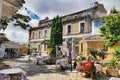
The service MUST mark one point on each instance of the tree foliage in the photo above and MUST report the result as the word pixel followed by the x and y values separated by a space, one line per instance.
pixel 114 63
pixel 21 20
pixel 116 53
pixel 94 53
pixel 56 33
pixel 113 10
pixel 111 28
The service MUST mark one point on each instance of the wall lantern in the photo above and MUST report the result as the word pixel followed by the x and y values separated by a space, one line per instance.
pixel 3 24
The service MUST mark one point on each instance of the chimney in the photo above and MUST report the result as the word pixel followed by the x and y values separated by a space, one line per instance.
pixel 96 4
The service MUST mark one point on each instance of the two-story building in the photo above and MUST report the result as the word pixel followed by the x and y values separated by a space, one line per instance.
pixel 8 49
pixel 77 27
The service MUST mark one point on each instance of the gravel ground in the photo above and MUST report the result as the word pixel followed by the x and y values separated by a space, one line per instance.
pixel 46 72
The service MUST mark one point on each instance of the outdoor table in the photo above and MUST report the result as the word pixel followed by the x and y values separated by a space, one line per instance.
pixel 40 59
pixel 62 62
pixel 13 74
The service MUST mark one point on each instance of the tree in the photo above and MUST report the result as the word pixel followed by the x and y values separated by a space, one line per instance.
pixel 116 53
pixel 97 53
pixel 52 35
pixel 93 52
pixel 113 10
pixel 56 33
pixel 111 28
pixel 21 20
pixel 114 63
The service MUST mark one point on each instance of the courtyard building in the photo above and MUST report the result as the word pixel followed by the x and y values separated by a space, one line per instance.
pixel 8 49
pixel 7 9
pixel 78 27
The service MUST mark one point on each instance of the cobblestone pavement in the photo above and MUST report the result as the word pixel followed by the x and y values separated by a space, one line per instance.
pixel 45 72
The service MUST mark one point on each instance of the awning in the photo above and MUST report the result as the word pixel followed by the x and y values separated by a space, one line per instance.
pixel 12 46
pixel 3 39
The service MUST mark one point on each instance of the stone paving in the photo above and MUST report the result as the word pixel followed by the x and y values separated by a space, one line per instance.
pixel 45 72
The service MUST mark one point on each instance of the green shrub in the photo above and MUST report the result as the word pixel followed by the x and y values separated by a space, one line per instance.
pixel 105 64
pixel 81 59
pixel 93 52
pixel 116 53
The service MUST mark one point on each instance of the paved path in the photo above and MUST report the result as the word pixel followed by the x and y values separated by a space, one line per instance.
pixel 45 72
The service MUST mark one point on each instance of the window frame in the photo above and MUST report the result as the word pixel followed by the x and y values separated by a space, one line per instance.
pixel 45 34
pixel 39 35
pixel 75 16
pixel 79 26
pixel 39 47
pixel 67 28
pixel 67 18
pixel 32 34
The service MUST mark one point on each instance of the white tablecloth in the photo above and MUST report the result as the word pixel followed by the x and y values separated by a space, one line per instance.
pixel 63 62
pixel 5 74
pixel 41 58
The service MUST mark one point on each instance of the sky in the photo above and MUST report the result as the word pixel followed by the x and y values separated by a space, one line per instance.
pixel 51 8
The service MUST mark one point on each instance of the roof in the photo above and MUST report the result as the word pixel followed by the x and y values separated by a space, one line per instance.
pixel 11 44
pixel 3 39
pixel 17 3
pixel 94 37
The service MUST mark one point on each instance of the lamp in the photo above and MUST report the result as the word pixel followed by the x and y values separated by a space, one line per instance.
pixel 3 24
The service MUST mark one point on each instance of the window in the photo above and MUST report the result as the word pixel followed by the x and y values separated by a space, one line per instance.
pixel 32 36
pixel 43 24
pixel 82 27
pixel 45 33
pixel 98 23
pixel 76 48
pixel 67 18
pixel 45 47
pixel 84 14
pixel 38 47
pixel 39 34
pixel 75 17
pixel 81 47
pixel 69 29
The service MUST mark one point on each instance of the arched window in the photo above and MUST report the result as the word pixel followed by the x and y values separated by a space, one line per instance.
pixel 75 17
pixel 39 34
pixel 67 18
pixel 68 29
pixel 32 36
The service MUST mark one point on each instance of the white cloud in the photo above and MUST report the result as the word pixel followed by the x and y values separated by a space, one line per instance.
pixel 34 23
pixel 16 34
